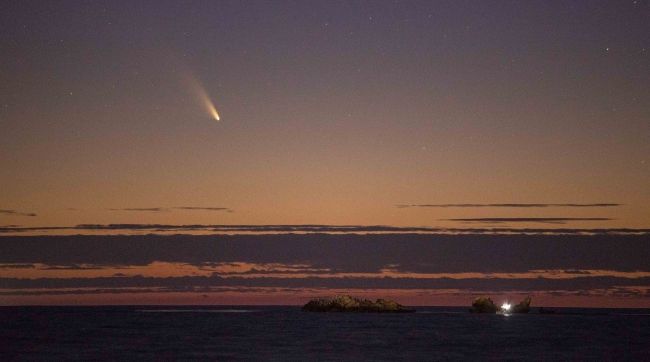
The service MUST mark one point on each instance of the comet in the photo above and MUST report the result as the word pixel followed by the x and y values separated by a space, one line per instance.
pixel 208 104
pixel 203 97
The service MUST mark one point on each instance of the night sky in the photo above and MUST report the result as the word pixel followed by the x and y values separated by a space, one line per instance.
pixel 428 151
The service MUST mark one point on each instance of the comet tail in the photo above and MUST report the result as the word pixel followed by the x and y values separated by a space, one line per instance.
pixel 203 97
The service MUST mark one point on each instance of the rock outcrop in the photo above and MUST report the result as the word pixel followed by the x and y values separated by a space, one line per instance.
pixel 523 306
pixel 486 305
pixel 483 305
pixel 346 303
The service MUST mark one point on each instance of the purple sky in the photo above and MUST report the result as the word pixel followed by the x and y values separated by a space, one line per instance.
pixel 446 117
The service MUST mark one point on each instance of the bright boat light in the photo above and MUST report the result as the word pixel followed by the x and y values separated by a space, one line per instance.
pixel 505 307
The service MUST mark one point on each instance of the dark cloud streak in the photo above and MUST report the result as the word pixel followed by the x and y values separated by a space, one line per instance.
pixel 142 209
pixel 190 283
pixel 313 229
pixel 16 213
pixel 418 253
pixel 167 209
pixel 543 220
pixel 203 208
pixel 514 205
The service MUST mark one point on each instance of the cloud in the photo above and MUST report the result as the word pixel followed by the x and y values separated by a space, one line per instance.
pixel 167 209
pixel 81 267
pixel 191 283
pixel 17 266
pixel 361 229
pixel 543 220
pixel 16 213
pixel 519 205
pixel 228 228
pixel 144 209
pixel 468 263
pixel 118 290
pixel 226 209
pixel 308 293
pixel 341 253
pixel 244 268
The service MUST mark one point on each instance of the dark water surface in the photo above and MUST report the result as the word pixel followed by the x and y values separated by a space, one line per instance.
pixel 287 333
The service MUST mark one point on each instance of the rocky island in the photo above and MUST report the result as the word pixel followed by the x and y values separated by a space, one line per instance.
pixel 346 303
pixel 523 306
pixel 486 305
pixel 483 305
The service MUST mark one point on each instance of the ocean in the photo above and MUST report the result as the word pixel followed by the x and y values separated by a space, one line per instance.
pixel 253 333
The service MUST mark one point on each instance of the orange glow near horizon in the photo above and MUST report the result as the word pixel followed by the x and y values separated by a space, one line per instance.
pixel 300 297
pixel 277 270
pixel 489 146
